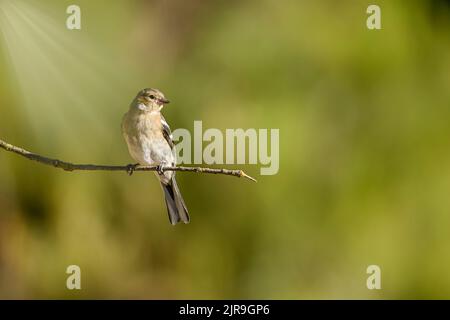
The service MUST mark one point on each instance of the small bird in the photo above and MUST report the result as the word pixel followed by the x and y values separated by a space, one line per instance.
pixel 149 141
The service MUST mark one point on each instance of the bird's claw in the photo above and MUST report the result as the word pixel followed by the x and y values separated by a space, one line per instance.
pixel 131 168
pixel 160 168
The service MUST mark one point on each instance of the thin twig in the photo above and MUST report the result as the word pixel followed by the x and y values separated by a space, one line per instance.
pixel 67 166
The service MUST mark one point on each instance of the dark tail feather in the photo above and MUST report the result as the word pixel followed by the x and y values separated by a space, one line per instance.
pixel 176 207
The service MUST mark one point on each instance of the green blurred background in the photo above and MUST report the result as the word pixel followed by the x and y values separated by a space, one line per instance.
pixel 364 149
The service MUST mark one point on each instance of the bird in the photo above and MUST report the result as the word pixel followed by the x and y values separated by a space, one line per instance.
pixel 149 142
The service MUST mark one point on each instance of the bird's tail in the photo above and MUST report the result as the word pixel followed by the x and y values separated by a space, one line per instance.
pixel 176 207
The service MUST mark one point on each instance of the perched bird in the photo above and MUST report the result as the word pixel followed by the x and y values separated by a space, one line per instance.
pixel 150 143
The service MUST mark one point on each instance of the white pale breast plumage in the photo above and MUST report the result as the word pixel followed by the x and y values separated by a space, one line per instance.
pixel 146 143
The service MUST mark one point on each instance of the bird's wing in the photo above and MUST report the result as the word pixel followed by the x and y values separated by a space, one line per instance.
pixel 166 132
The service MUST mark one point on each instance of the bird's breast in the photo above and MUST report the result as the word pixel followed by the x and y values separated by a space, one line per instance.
pixel 144 136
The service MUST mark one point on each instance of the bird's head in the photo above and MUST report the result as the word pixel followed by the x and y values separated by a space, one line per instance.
pixel 150 100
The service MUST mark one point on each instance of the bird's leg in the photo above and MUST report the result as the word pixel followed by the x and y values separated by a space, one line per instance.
pixel 160 167
pixel 131 168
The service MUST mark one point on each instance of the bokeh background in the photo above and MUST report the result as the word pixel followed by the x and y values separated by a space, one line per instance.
pixel 364 149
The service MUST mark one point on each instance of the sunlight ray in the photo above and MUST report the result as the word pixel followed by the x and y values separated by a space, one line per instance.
pixel 56 72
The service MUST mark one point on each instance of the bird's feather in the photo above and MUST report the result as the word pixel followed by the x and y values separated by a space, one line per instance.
pixel 176 208
pixel 166 132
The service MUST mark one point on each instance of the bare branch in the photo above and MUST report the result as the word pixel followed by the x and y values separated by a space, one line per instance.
pixel 67 166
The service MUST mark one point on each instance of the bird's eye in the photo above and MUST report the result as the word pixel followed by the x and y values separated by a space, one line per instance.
pixel 151 96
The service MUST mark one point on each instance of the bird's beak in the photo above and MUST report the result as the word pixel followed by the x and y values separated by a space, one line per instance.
pixel 164 101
